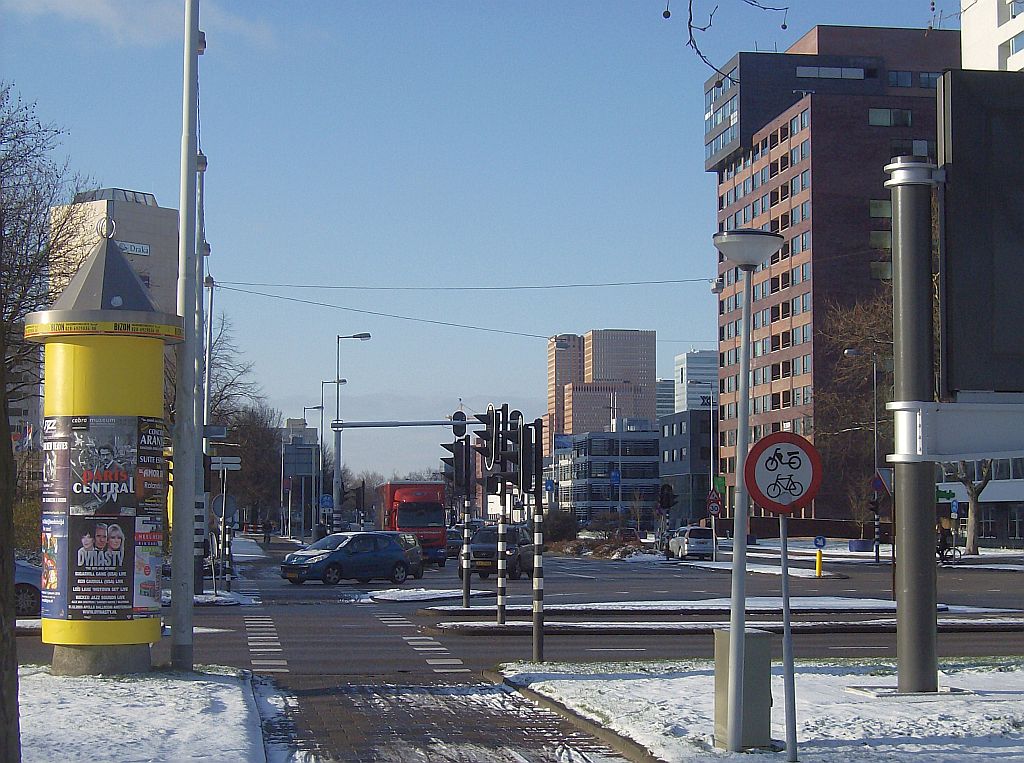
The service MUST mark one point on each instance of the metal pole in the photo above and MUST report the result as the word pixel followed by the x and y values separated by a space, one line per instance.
pixel 788 678
pixel 464 555
pixel 302 506
pixel 538 541
pixel 185 503
pixel 738 615
pixel 874 476
pixel 209 362
pixel 336 484
pixel 916 650
pixel 711 477
pixel 225 546
pixel 320 459
pixel 501 552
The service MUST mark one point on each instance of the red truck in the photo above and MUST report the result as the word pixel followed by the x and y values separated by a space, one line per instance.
pixel 416 507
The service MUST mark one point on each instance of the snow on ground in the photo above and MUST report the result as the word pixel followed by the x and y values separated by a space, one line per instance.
pixel 246 550
pixel 668 707
pixel 161 716
pixel 211 599
pixel 424 594
pixel 753 604
pixel 760 569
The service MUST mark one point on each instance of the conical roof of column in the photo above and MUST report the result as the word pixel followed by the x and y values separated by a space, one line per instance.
pixel 106 281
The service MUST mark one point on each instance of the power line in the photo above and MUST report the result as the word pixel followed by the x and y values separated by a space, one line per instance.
pixel 221 285
pixel 536 287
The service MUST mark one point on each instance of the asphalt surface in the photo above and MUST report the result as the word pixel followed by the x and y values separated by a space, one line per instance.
pixel 380 681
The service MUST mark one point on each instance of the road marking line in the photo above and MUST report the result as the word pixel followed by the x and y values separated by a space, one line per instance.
pixel 617 649
pixel 417 638
pixel 438 648
pixel 452 661
pixel 873 646
pixel 273 670
pixel 269 662
pixel 452 670
pixel 401 625
pixel 262 649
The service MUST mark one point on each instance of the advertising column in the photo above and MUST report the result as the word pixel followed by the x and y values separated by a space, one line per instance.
pixel 104 471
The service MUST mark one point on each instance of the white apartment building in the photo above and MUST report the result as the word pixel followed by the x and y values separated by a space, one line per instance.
pixel 992 34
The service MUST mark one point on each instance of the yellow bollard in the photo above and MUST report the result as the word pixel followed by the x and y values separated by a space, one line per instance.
pixel 817 563
pixel 104 473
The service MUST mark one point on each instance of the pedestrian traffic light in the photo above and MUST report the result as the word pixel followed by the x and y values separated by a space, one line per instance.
pixel 873 505
pixel 487 445
pixel 667 497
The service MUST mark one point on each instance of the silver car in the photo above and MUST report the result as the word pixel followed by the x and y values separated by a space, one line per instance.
pixel 697 542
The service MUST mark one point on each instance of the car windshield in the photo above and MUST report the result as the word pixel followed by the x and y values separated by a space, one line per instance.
pixel 701 533
pixel 329 543
pixel 454 535
pixel 417 514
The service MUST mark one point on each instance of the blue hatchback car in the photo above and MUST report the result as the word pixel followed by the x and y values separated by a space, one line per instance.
pixel 27 579
pixel 362 556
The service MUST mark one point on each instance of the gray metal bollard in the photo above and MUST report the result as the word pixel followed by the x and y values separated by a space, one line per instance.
pixel 757 691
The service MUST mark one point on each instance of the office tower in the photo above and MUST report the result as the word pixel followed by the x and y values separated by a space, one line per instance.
pixel 696 380
pixel 799 141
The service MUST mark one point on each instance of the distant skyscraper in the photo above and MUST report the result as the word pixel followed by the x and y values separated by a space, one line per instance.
pixel 699 366
pixel 585 371
pixel 665 397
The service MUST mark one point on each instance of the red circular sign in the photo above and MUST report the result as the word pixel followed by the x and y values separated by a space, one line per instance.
pixel 782 472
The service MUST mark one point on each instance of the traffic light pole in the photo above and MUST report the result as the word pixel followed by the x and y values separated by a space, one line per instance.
pixel 464 555
pixel 501 552
pixel 538 541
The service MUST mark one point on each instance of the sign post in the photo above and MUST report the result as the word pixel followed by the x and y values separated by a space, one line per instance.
pixel 714 510
pixel 783 473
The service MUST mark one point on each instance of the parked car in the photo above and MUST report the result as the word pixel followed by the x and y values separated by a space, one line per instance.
pixel 697 542
pixel 483 552
pixel 27 596
pixel 663 542
pixel 362 556
pixel 413 551
pixel 454 543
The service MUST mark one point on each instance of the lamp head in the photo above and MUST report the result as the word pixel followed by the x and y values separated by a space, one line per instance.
pixel 747 247
pixel 852 352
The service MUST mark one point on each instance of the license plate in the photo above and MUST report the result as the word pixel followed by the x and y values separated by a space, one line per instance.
pixel 484 564
pixel 292 575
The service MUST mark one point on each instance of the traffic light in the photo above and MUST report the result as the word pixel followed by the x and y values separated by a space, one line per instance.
pixel 455 466
pixel 488 444
pixel 667 497
pixel 873 505
pixel 507 457
pixel 459 429
pixel 525 456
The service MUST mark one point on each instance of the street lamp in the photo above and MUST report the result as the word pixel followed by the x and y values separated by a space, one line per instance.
pixel 313 487
pixel 320 453
pixel 362 336
pixel 853 352
pixel 746 249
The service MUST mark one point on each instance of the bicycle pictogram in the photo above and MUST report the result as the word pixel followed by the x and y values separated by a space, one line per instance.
pixel 791 459
pixel 784 482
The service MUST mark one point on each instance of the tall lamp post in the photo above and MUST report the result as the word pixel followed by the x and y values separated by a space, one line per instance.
pixel 362 336
pixel 320 455
pixel 314 487
pixel 746 249
pixel 854 352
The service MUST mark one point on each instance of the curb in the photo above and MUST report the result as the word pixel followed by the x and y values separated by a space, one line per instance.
pixel 632 751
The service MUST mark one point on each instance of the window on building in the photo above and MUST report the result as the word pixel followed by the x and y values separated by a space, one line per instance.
pixel 1016 521
pixel 880 208
pixel 987 525
pixel 1017 43
pixel 928 79
pixel 889 117
pixel 1001 469
pixel 901 79
pixel 880 239
pixel 805 119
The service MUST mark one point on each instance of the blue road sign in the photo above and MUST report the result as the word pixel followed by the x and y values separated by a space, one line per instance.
pixel 549 486
pixel 820 541
pixel 326 501
pixel 954 508
pixel 616 478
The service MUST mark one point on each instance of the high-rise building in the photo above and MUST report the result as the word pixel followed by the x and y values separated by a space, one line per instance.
pixel 665 397
pixel 585 372
pixel 992 34
pixel 799 141
pixel 701 368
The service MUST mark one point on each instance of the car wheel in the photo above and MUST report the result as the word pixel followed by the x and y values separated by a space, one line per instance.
pixel 460 573
pixel 418 573
pixel 332 575
pixel 668 553
pixel 485 574
pixel 441 561
pixel 296 582
pixel 399 573
pixel 27 600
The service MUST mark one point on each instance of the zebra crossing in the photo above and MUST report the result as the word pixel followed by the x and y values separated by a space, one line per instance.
pixel 435 654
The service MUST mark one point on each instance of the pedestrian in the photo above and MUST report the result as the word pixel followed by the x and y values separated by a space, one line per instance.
pixel 267 527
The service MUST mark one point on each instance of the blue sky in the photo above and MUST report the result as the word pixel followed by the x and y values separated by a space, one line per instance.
pixel 375 144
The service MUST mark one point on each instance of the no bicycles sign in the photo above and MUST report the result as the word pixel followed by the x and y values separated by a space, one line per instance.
pixel 782 472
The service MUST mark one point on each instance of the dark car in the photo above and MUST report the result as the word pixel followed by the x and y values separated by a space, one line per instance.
pixel 360 555
pixel 483 552
pixel 413 551
pixel 27 579
pixel 453 544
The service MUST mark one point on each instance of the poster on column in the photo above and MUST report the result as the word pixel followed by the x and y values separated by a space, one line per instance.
pixel 55 566
pixel 56 463
pixel 101 558
pixel 148 563
pixel 104 457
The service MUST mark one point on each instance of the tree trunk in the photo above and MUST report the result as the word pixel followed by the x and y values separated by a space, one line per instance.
pixel 10 735
pixel 971 545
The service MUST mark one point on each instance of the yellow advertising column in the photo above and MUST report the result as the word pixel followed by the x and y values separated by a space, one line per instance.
pixel 104 471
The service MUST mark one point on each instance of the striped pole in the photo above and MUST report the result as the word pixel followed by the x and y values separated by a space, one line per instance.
pixel 538 541
pixel 501 553
pixel 464 556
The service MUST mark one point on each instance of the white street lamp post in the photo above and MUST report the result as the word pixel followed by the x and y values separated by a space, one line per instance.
pixel 313 488
pixel 746 249
pixel 363 336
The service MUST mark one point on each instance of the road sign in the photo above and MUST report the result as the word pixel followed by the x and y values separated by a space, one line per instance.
pixel 714 496
pixel 820 541
pixel 714 508
pixel 215 432
pixel 218 502
pixel 616 477
pixel 549 486
pixel 326 501
pixel 883 478
pixel 954 508
pixel 943 494
pixel 225 463
pixel 782 472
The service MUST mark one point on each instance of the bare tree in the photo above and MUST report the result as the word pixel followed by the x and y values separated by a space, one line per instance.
pixel 700 20
pixel 973 495
pixel 255 430
pixel 33 245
